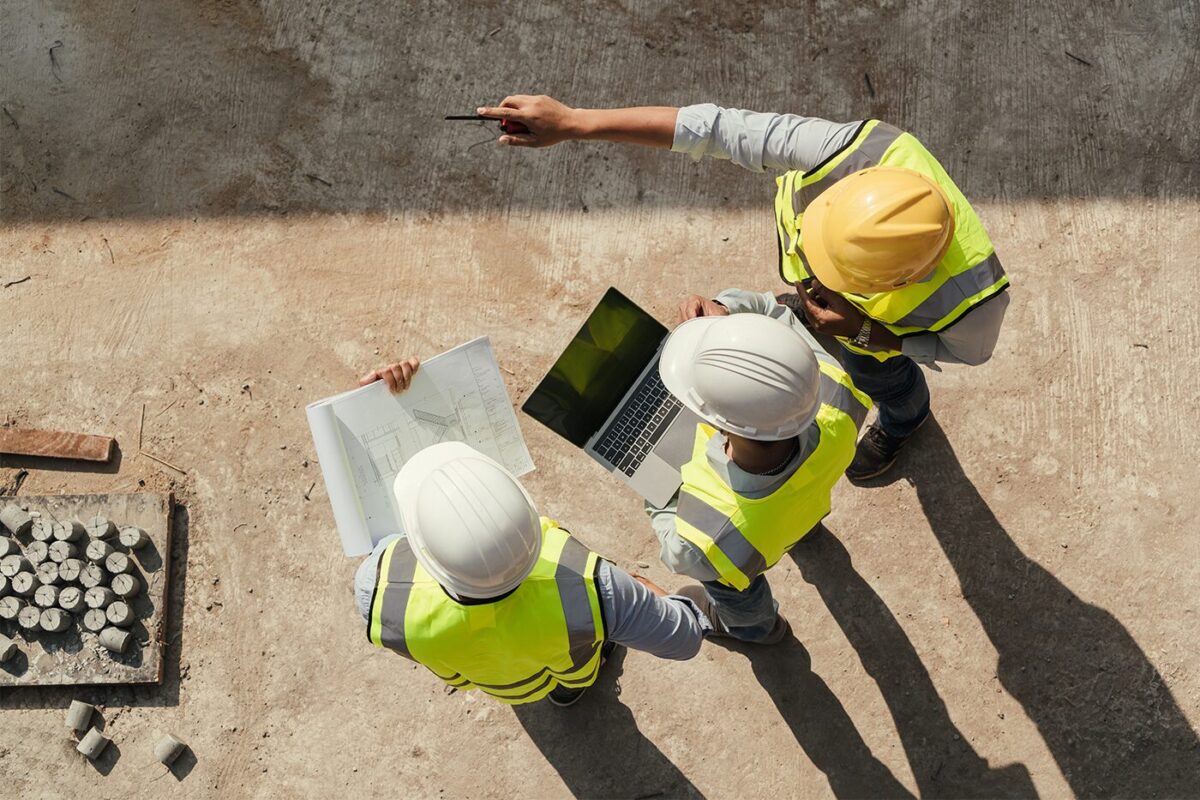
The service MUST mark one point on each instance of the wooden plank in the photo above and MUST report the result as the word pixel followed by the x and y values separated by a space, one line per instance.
pixel 55 444
pixel 75 656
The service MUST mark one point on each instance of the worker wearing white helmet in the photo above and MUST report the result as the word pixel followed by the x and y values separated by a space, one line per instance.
pixel 488 595
pixel 782 419
pixel 887 253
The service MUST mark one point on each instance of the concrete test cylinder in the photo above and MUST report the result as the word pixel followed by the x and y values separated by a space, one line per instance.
pixel 115 639
pixel 8 547
pixel 30 618
pixel 11 565
pixel 42 530
pixel 93 575
pixel 71 531
pixel 70 570
pixel 79 715
pixel 168 749
pixel 37 552
pixel 126 585
pixel 120 614
pixel 71 599
pixel 99 597
pixel 133 537
pixel 10 607
pixel 61 551
pixel 47 573
pixel 24 584
pixel 117 563
pixel 97 550
pixel 92 744
pixel 101 527
pixel 55 620
pixel 13 517
pixel 5 588
pixel 95 620
pixel 46 596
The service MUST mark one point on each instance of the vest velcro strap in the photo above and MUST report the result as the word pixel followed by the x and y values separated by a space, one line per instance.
pixel 740 558
pixel 956 296
pixel 868 152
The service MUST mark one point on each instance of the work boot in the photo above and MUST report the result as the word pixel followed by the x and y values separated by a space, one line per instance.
pixel 697 595
pixel 563 696
pixel 876 452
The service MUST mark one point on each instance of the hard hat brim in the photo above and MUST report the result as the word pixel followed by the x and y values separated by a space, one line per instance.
pixel 812 242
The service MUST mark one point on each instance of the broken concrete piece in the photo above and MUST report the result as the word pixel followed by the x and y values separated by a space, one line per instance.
pixel 30 618
pixel 133 537
pixel 8 648
pixel 101 527
pixel 168 749
pixel 47 573
pixel 37 552
pixel 11 565
pixel 92 744
pixel 97 550
pixel 93 575
pixel 46 596
pixel 10 607
pixel 61 551
pixel 15 518
pixel 72 531
pixel 99 597
pixel 115 639
pixel 54 620
pixel 79 715
pixel 117 563
pixel 24 583
pixel 70 570
pixel 42 530
pixel 126 585
pixel 95 620
pixel 71 599
pixel 119 613
pixel 8 547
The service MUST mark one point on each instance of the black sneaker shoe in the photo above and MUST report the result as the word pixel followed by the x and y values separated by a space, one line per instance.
pixel 875 454
pixel 563 696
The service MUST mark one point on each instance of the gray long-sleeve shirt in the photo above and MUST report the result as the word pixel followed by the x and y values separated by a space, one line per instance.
pixel 677 553
pixel 668 627
pixel 759 141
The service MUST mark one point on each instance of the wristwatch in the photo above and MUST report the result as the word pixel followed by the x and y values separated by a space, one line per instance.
pixel 863 338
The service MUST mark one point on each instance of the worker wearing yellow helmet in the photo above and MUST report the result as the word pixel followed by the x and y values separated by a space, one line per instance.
pixel 885 252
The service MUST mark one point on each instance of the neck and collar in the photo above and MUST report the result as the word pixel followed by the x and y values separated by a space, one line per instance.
pixel 760 458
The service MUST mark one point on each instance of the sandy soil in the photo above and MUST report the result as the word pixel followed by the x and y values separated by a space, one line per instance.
pixel 229 209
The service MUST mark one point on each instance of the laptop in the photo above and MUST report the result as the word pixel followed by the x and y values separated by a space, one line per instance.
pixel 604 395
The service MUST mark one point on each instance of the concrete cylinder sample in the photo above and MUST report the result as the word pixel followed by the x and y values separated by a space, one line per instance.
pixel 30 618
pixel 126 585
pixel 5 587
pixel 99 597
pixel 42 530
pixel 8 648
pixel 97 550
pixel 133 537
pixel 79 715
pixel 117 563
pixel 61 551
pixel 10 607
pixel 47 573
pixel 116 639
pixel 70 570
pixel 9 547
pixel 101 527
pixel 46 596
pixel 11 565
pixel 13 517
pixel 37 552
pixel 70 598
pixel 92 744
pixel 24 584
pixel 71 531
pixel 95 620
pixel 119 613
pixel 168 749
pixel 93 575
pixel 55 620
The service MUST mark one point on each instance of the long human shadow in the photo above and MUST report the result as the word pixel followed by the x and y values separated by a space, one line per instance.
pixel 1105 712
pixel 943 762
pixel 818 720
pixel 596 746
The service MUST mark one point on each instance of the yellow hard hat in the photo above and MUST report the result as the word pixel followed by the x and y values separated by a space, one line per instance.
pixel 876 230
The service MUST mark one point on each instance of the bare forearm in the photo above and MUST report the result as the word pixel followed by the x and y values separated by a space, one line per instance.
pixel 653 126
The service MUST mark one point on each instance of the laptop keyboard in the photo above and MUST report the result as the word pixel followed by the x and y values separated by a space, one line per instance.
pixel 635 430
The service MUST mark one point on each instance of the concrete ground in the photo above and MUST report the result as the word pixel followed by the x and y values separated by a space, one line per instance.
pixel 228 209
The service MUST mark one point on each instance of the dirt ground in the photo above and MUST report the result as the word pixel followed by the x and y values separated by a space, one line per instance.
pixel 228 209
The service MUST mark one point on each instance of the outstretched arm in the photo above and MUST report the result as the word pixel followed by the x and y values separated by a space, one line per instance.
pixel 550 122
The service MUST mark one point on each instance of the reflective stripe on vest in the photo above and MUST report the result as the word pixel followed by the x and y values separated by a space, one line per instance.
pixel 518 648
pixel 969 273
pixel 742 537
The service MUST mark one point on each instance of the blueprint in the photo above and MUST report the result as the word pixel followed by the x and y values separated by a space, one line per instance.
pixel 365 436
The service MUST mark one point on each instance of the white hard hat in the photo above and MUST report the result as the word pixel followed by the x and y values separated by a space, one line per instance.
pixel 471 524
pixel 747 374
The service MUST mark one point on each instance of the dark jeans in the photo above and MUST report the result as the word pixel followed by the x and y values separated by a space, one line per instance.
pixel 748 615
pixel 897 386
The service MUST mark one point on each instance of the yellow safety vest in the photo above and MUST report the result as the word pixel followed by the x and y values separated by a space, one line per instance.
pixel 742 537
pixel 546 632
pixel 969 273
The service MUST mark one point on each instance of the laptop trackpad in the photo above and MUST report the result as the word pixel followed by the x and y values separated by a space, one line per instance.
pixel 675 447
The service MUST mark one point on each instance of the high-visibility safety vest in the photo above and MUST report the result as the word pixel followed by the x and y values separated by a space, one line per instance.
pixel 742 537
pixel 969 273
pixel 545 633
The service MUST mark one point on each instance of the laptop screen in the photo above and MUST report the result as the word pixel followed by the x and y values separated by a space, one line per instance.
pixel 596 370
